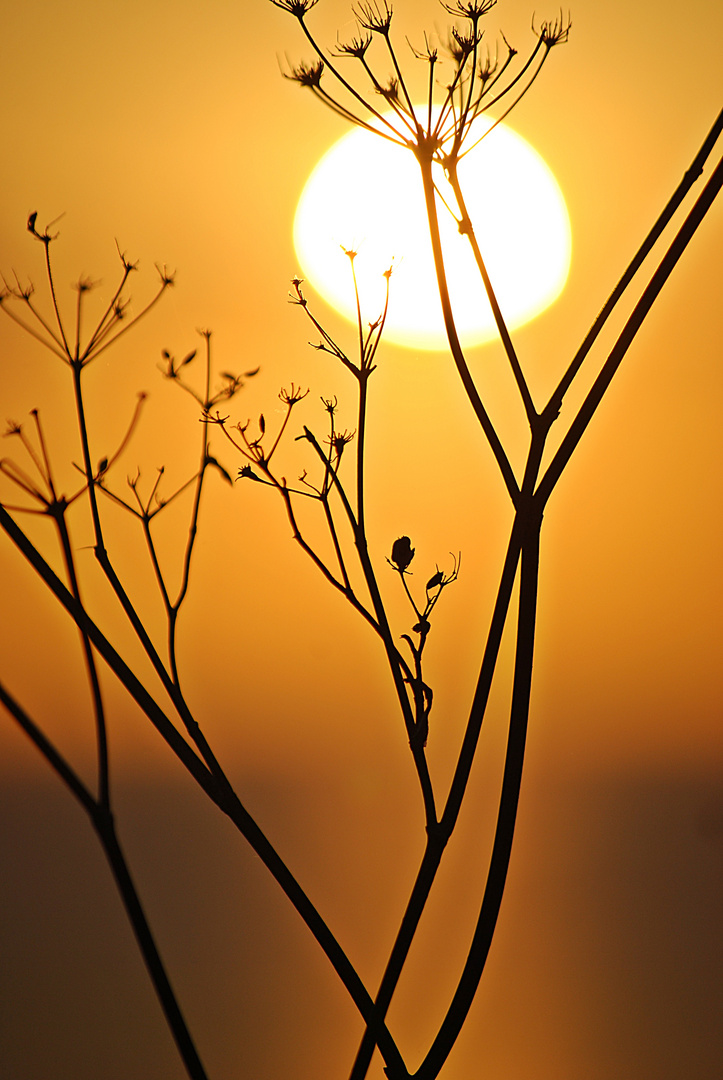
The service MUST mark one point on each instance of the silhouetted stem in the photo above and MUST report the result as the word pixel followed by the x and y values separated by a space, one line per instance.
pixel 385 633
pixel 467 229
pixel 502 847
pixel 135 688
pixel 344 588
pixel 425 163
pixel 331 525
pixel 54 758
pixel 405 935
pixel 85 447
pixel 499 617
pixel 104 827
pixel 351 90
pixel 106 319
pixel 217 788
pixel 361 447
pixel 527 526
pixel 102 822
pixel 437 841
pixel 98 710
pixel 49 271
pixel 127 325
pixel 526 513
pixel 101 555
pixel 624 341
pixel 690 176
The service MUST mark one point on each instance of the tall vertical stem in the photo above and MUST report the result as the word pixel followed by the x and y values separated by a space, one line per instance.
pixel 509 799
pixel 436 842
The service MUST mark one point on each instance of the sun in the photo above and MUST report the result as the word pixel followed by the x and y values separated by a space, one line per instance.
pixel 366 194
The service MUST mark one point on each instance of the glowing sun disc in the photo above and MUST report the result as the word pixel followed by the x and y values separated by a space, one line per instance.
pixel 366 194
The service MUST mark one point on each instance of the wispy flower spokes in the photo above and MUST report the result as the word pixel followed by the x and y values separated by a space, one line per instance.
pixel 355 46
pixel 306 74
pixel 297 8
pixel 555 32
pixel 374 16
pixel 473 10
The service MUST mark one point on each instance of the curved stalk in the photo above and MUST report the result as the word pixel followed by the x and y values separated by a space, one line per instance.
pixel 425 163
pixel 385 633
pixel 466 227
pixel 217 789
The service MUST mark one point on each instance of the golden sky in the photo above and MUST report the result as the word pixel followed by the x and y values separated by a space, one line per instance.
pixel 170 129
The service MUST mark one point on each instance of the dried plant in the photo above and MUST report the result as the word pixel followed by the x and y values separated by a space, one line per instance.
pixel 334 485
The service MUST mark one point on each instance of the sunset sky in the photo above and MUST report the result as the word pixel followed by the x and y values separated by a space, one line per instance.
pixel 169 129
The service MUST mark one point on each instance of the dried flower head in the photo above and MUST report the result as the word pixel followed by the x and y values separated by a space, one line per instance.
pixel 487 67
pixel 390 92
pixel 471 9
pixel 553 33
pixel 168 277
pixel 307 74
pixel 461 43
pixel 356 46
pixel 339 440
pixel 374 16
pixel 84 285
pixel 298 8
pixel 290 397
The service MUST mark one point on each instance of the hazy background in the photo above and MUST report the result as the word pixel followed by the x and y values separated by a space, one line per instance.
pixel 169 128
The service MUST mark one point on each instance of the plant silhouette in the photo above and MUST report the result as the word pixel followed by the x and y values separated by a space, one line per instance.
pixel 335 486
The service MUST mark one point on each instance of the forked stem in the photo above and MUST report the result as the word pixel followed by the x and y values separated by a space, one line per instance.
pixel 425 164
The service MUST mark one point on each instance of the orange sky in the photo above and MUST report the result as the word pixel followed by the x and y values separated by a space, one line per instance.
pixel 170 129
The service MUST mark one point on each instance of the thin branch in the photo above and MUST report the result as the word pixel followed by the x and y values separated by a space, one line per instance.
pixel 454 343
pixel 691 174
pixel 466 227
pixel 509 799
pixel 624 341
pixel 53 756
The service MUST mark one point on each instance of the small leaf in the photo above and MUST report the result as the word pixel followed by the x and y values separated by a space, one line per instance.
pixel 435 580
pixel 250 374
pixel 217 465
pixel 187 359
pixel 262 424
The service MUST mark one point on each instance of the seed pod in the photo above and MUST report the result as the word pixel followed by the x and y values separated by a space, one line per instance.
pixel 402 552
pixel 435 580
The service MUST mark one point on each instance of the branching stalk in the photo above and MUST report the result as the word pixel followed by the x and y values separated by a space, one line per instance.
pixel 425 162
